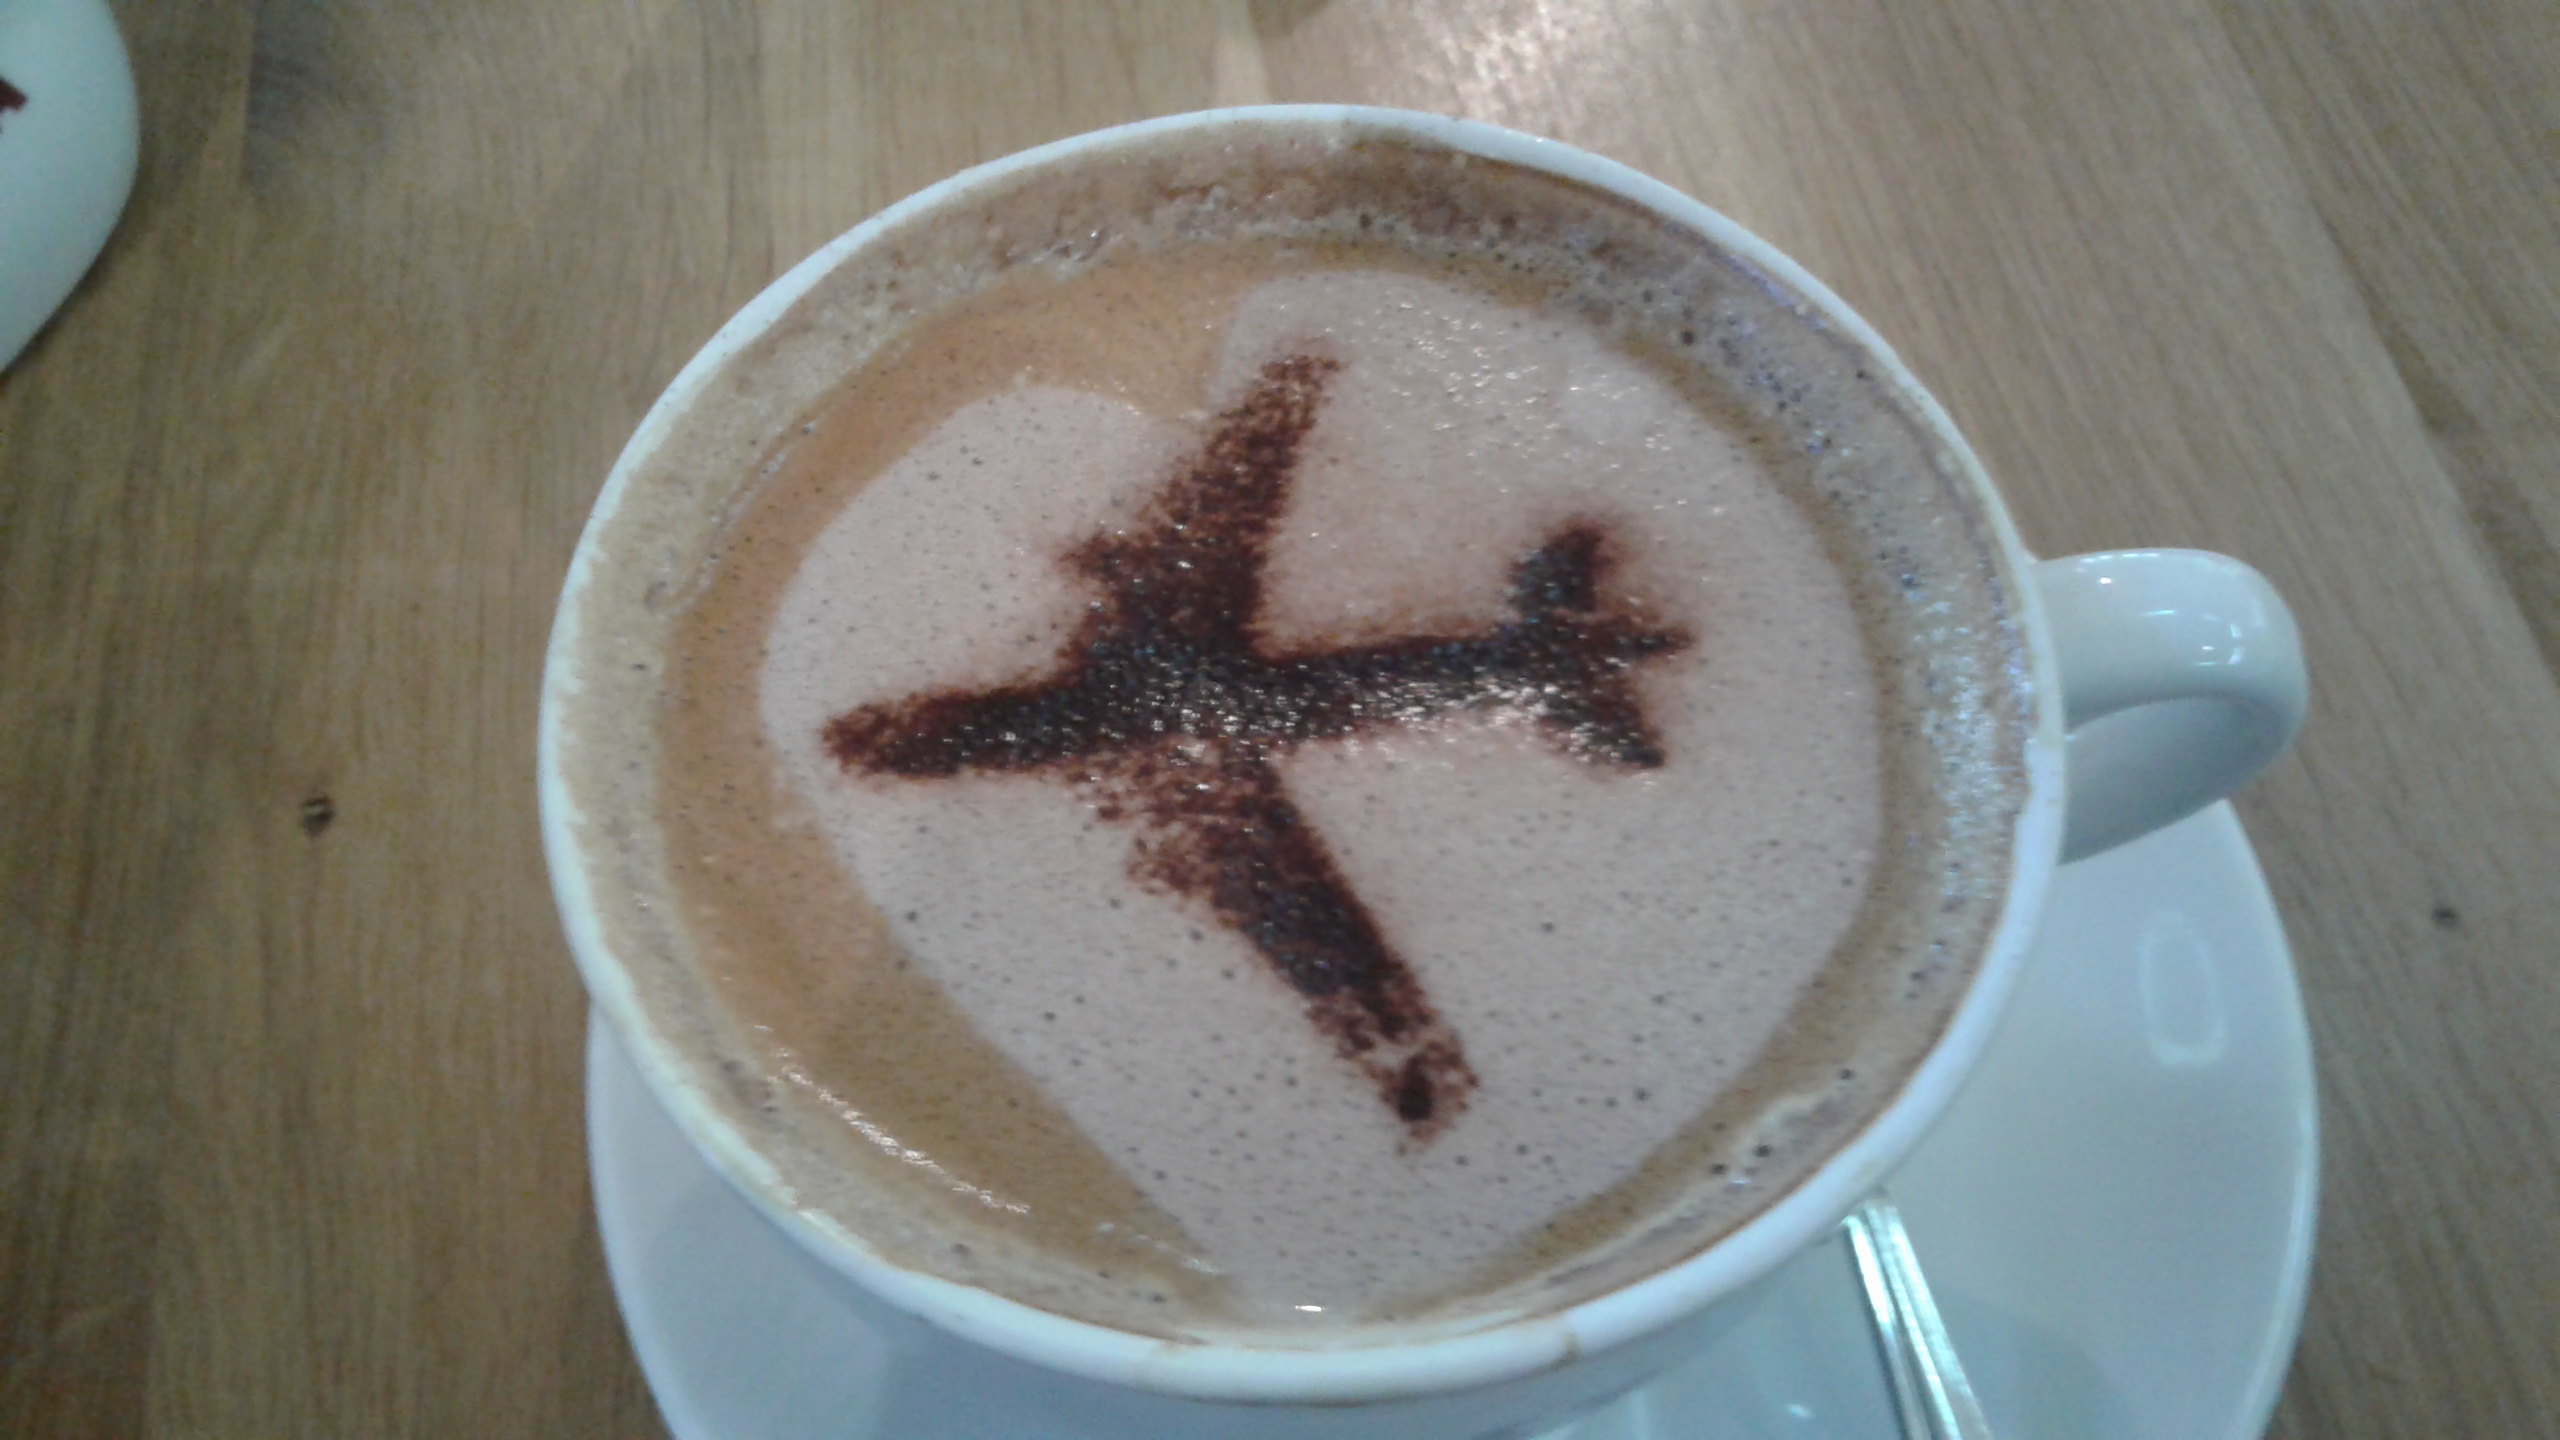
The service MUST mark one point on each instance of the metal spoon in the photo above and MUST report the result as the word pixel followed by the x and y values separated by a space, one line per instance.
pixel 1930 1394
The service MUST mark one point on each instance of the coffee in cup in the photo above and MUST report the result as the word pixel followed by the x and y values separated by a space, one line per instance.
pixel 1292 733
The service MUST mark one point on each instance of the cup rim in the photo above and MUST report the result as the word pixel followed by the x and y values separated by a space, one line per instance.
pixel 1379 1362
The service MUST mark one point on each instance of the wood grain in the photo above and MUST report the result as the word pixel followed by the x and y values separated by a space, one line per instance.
pixel 293 1047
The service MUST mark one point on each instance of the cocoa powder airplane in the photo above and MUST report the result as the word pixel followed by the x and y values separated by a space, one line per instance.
pixel 1170 705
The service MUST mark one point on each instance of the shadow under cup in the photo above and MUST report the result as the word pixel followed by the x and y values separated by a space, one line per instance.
pixel 1972 741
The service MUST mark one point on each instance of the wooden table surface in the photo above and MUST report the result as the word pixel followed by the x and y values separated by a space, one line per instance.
pixel 289 1040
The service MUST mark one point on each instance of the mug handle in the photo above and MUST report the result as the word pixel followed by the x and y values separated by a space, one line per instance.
pixel 2181 679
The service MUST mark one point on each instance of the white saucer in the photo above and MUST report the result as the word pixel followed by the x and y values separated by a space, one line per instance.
pixel 2116 1217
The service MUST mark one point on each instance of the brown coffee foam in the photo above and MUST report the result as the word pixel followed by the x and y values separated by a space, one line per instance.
pixel 1791 384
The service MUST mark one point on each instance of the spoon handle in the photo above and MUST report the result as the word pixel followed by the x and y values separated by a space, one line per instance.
pixel 1930 1394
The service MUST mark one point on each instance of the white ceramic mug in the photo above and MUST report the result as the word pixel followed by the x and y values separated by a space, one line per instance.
pixel 68 136
pixel 2162 680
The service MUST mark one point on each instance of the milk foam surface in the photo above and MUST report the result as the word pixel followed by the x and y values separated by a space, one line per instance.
pixel 1613 947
